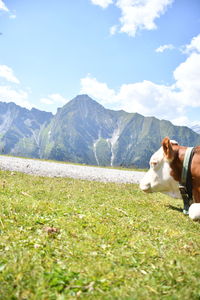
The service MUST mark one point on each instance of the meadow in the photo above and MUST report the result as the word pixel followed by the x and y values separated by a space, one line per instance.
pixel 72 239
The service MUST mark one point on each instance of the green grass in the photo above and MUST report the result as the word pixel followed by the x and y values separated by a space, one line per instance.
pixel 111 241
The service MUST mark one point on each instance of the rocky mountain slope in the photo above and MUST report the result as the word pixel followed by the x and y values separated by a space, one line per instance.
pixel 83 131
pixel 20 129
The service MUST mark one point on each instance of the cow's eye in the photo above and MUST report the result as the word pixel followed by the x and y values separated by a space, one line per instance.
pixel 153 164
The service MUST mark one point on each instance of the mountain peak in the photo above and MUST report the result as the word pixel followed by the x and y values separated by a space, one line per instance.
pixel 84 103
pixel 84 98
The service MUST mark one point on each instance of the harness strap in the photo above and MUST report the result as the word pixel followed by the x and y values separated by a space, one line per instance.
pixel 186 165
pixel 185 186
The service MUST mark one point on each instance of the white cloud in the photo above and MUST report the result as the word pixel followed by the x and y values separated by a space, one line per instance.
pixel 144 97
pixel 187 76
pixel 8 94
pixel 136 14
pixel 3 6
pixel 98 90
pixel 8 74
pixel 102 3
pixel 58 98
pixel 140 14
pixel 147 98
pixel 46 101
pixel 54 98
pixel 151 99
pixel 164 47
pixel 182 120
pixel 12 93
pixel 194 45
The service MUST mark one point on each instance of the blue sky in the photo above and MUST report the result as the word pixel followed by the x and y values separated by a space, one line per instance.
pixel 138 55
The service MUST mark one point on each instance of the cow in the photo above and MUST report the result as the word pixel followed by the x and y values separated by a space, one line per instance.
pixel 165 171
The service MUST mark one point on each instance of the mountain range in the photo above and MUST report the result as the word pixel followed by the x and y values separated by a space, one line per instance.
pixel 85 132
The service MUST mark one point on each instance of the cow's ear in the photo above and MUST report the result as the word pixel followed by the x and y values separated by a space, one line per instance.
pixel 167 148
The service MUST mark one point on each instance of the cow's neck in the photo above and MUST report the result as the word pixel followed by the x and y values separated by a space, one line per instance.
pixel 177 165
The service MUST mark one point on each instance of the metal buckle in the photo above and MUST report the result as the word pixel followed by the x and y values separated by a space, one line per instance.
pixel 183 190
pixel 186 198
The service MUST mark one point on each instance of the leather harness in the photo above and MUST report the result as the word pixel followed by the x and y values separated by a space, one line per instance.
pixel 185 185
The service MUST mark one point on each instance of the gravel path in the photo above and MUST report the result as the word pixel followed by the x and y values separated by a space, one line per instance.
pixel 53 169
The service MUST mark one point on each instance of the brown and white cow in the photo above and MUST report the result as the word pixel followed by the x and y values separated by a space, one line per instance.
pixel 165 171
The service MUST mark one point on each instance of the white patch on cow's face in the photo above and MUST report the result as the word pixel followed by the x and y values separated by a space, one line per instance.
pixel 158 178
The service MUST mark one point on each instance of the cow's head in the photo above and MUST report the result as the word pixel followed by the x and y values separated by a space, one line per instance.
pixel 158 178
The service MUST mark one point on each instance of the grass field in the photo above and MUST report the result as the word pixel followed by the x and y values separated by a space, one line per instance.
pixel 72 239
